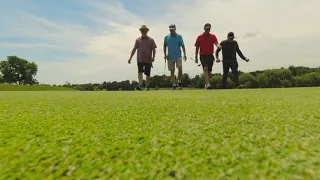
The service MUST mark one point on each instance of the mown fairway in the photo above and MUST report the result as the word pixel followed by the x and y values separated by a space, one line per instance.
pixel 218 134
pixel 9 87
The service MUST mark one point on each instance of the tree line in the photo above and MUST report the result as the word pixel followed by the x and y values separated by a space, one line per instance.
pixel 271 78
pixel 16 70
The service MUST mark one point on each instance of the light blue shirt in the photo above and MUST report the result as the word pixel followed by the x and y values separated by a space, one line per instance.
pixel 174 43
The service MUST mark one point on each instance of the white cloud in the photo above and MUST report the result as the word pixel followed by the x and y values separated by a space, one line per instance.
pixel 28 45
pixel 272 34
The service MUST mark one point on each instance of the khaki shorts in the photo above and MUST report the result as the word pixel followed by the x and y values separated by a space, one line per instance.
pixel 173 63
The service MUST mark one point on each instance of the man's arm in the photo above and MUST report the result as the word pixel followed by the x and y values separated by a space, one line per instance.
pixel 239 52
pixel 184 50
pixel 217 53
pixel 218 45
pixel 197 44
pixel 133 51
pixel 154 46
pixel 154 52
pixel 216 42
pixel 165 47
pixel 197 51
pixel 183 47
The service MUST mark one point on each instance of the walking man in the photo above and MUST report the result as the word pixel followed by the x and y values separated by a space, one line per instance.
pixel 230 48
pixel 146 53
pixel 205 42
pixel 174 42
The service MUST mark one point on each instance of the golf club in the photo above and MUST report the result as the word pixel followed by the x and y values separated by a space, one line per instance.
pixel 165 68
pixel 195 61
pixel 235 60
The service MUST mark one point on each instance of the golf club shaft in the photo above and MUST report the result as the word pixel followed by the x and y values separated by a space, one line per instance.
pixel 231 60
pixel 195 61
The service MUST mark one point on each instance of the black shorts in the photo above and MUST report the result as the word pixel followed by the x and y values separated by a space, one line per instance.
pixel 207 61
pixel 144 67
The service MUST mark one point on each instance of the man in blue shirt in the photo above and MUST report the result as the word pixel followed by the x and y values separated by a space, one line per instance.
pixel 174 42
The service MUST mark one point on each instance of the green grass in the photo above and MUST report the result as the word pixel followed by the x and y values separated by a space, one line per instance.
pixel 9 87
pixel 218 134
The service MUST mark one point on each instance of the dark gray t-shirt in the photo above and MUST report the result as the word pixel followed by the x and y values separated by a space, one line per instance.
pixel 230 50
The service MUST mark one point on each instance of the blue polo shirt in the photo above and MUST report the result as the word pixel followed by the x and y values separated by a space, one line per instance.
pixel 174 43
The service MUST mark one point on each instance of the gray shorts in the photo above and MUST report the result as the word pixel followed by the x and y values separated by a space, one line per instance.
pixel 174 63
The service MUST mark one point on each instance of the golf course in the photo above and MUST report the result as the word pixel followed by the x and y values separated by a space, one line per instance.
pixel 185 134
pixel 159 90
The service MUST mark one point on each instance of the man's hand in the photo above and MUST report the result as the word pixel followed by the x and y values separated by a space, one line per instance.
pixel 165 58
pixel 129 61
pixel 185 58
pixel 218 60
pixel 196 60
pixel 152 59
pixel 247 60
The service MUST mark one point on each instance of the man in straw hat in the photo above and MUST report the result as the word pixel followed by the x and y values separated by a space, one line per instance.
pixel 146 52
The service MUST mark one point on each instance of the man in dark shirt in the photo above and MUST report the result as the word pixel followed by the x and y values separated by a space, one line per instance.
pixel 230 48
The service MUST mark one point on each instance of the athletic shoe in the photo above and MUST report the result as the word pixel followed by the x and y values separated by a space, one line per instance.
pixel 209 87
pixel 179 85
pixel 240 87
pixel 138 88
pixel 148 89
pixel 174 87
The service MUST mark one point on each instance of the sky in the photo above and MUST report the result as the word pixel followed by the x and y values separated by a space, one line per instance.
pixel 89 41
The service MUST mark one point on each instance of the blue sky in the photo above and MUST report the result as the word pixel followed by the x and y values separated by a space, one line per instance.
pixel 84 41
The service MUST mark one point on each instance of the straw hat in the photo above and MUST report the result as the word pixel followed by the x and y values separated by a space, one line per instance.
pixel 144 27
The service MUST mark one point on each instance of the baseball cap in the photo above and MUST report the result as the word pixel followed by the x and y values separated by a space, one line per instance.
pixel 207 25
pixel 172 27
pixel 230 34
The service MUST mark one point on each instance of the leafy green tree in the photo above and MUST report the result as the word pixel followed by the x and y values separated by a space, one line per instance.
pixel 186 80
pixel 273 78
pixel 1 78
pixel 104 84
pixel 155 81
pixel 308 80
pixel 248 79
pixel 230 84
pixel 299 70
pixel 198 81
pixel 286 83
pixel 16 70
pixel 215 81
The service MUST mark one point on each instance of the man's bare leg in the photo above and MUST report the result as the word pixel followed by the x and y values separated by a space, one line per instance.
pixel 210 76
pixel 173 80
pixel 140 80
pixel 205 70
pixel 206 77
pixel 180 76
pixel 147 81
